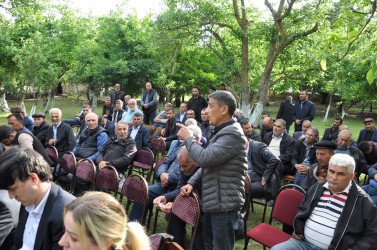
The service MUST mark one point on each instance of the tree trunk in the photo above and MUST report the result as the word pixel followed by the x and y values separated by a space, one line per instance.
pixel 33 108
pixel 4 104
pixel 343 109
pixel 53 102
pixel 48 103
pixel 94 103
pixel 328 109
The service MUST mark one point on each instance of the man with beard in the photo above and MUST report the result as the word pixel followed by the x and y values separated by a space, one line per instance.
pixel 369 133
pixel 117 94
pixel 108 109
pixel 132 109
pixel 303 110
pixel 332 133
pixel 197 103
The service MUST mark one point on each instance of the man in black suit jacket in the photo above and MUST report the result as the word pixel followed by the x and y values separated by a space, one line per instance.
pixel 9 211
pixel 60 135
pixel 139 132
pixel 170 131
pixel 108 125
pixel 286 112
pixel 28 179
pixel 41 127
pixel 281 145
pixel 332 133
pixel 117 94
pixel 304 110
pixel 181 115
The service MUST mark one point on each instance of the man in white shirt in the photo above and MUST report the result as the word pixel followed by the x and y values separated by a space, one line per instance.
pixel 28 179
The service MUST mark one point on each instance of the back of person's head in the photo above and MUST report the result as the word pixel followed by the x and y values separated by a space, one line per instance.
pixel 191 121
pixel 364 146
pixel 196 131
pixel 5 132
pixel 17 162
pixel 17 116
pixel 225 98
pixel 101 218
pixel 18 109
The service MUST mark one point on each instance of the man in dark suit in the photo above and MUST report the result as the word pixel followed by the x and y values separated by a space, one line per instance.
pixel 139 132
pixel 9 211
pixel 181 116
pixel 301 134
pixel 117 94
pixel 108 125
pixel 170 131
pixel 286 112
pixel 28 179
pixel 60 134
pixel 369 133
pixel 332 133
pixel 41 127
pixel 281 145
pixel 303 110
pixel 149 103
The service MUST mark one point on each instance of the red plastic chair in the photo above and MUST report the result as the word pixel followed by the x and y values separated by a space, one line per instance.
pixel 108 178
pixel 86 170
pixel 69 164
pixel 143 163
pixel 284 211
pixel 135 188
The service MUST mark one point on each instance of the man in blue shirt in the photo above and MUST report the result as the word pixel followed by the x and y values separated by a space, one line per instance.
pixel 149 103
pixel 132 109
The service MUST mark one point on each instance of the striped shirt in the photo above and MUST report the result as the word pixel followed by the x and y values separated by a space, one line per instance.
pixel 320 226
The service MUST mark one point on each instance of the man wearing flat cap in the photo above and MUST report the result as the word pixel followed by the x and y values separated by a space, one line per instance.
pixel 369 133
pixel 41 127
pixel 318 171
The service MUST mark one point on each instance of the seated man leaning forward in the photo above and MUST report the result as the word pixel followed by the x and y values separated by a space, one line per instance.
pixel 28 179
pixel 335 214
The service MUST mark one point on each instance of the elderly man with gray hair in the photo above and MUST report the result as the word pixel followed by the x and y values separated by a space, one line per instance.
pixel 335 213
pixel 132 109
pixel 344 147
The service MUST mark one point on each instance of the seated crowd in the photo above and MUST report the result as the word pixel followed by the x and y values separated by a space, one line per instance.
pixel 329 169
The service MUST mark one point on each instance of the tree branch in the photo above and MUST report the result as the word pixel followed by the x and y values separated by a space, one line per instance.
pixel 269 6
pixel 288 11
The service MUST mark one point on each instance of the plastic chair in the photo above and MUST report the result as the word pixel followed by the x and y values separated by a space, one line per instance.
pixel 69 164
pixel 108 178
pixel 143 163
pixel 86 170
pixel 284 211
pixel 53 154
pixel 135 188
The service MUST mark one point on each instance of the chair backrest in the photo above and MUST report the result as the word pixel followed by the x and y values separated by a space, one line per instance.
pixel 151 129
pixel 69 163
pixel 52 153
pixel 144 158
pixel 187 209
pixel 158 144
pixel 160 162
pixel 158 130
pixel 86 170
pixel 245 208
pixel 108 178
pixel 135 187
pixel 287 203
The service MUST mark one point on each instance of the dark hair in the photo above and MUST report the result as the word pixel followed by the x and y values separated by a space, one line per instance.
pixel 364 146
pixel 225 98
pixel 306 92
pixel 195 87
pixel 244 122
pixel 212 88
pixel 265 113
pixel 138 115
pixel 168 109
pixel 338 118
pixel 17 109
pixel 17 162
pixel 222 84
pixel 17 116
pixel 5 132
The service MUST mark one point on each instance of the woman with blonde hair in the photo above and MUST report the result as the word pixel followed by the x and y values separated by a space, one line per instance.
pixel 96 220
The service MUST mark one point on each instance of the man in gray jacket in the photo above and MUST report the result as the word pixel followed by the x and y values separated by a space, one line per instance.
pixel 223 169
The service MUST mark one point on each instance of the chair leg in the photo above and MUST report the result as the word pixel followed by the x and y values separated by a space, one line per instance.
pixel 155 222
pixel 246 242
pixel 264 211
pixel 150 211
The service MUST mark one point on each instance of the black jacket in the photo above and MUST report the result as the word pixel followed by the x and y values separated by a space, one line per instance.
pixel 329 135
pixel 197 104
pixel 286 112
pixel 142 138
pixel 286 147
pixel 108 111
pixel 306 113
pixel 41 132
pixel 117 96
pixel 299 151
pixel 119 153
pixel 361 164
pixel 356 227
pixel 171 129
pixel 254 136
pixel 119 117
pixel 65 139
